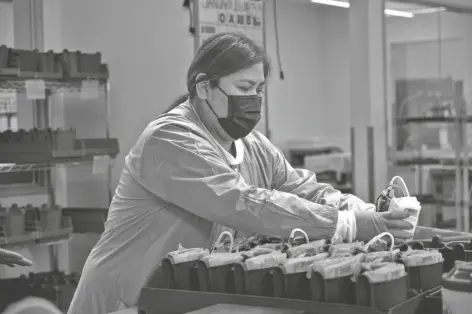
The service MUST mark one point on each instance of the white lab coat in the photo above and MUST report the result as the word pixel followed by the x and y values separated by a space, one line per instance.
pixel 179 185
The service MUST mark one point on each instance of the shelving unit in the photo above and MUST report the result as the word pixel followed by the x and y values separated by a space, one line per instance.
pixel 443 163
pixel 62 75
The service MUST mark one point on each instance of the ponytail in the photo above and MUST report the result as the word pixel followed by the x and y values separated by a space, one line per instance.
pixel 177 102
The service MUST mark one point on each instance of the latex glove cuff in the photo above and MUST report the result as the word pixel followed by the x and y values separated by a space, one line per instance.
pixel 346 228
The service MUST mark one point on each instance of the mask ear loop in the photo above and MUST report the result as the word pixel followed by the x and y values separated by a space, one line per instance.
pixel 220 237
pixel 378 237
pixel 294 231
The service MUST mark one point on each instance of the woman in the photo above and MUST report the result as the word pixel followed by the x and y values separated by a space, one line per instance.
pixel 201 166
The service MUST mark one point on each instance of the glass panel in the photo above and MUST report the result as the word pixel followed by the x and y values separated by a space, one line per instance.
pixel 429 87
pixel 7 100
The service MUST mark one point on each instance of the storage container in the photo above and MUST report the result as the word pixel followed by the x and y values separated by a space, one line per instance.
pixel 457 289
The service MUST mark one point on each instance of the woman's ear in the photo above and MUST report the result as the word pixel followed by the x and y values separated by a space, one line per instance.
pixel 202 87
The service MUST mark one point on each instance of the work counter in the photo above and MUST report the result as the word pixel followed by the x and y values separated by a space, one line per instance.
pixel 228 309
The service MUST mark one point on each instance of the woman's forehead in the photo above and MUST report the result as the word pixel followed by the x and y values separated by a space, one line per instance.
pixel 253 74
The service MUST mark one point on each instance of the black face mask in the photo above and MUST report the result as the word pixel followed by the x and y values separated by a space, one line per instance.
pixel 244 112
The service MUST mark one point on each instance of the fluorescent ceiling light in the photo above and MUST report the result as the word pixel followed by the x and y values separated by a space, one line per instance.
pixel 429 10
pixel 333 3
pixel 399 13
pixel 342 4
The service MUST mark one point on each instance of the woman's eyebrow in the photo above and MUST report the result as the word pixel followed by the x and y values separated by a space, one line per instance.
pixel 252 82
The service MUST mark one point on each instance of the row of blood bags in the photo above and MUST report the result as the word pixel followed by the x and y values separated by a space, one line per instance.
pixel 332 259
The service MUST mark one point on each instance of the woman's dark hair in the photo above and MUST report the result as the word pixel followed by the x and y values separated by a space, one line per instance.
pixel 219 56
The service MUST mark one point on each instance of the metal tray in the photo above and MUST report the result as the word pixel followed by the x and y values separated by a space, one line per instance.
pixel 164 301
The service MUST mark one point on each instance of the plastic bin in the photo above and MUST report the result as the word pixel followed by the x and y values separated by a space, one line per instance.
pixel 257 282
pixel 462 250
pixel 336 290
pixel 181 276
pixel 218 279
pixel 89 62
pixel 12 221
pixel 381 296
pixel 83 65
pixel 426 237
pixel 63 139
pixel 292 286
pixel 27 60
pixel 425 277
pixel 43 218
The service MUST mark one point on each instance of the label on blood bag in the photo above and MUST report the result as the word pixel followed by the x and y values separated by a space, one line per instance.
pixel 299 265
pixel 413 212
pixel 344 271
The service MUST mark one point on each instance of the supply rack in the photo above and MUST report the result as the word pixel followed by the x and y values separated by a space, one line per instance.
pixel 443 164
pixel 59 73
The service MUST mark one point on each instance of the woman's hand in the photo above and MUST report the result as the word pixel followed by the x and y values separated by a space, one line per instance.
pixel 369 224
pixel 11 259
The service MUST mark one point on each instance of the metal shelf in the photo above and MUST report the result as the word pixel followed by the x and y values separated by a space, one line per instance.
pixel 77 161
pixel 37 238
pixel 428 161
pixel 429 157
pixel 15 84
pixel 434 119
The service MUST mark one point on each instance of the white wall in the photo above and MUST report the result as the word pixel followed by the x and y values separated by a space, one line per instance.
pixel 335 84
pixel 296 104
pixel 6 23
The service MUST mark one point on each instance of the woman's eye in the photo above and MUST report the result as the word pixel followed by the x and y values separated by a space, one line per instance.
pixel 244 89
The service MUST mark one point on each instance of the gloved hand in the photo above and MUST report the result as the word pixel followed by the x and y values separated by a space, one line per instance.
pixel 370 224
pixel 11 259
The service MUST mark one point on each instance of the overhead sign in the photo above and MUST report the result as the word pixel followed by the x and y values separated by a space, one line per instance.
pixel 216 16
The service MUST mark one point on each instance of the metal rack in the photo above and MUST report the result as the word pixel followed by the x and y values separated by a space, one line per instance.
pixel 10 83
pixel 441 164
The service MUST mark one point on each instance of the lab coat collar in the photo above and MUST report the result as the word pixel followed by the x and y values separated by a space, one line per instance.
pixel 238 144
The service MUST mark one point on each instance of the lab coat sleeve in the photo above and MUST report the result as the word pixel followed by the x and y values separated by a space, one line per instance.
pixel 304 184
pixel 185 170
